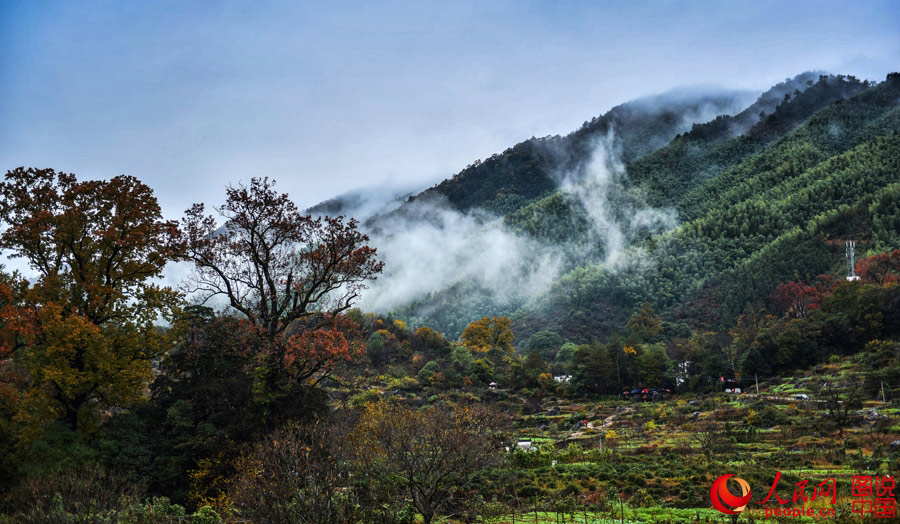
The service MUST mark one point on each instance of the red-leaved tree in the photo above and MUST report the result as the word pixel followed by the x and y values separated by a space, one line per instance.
pixel 880 269
pixel 289 274
pixel 795 299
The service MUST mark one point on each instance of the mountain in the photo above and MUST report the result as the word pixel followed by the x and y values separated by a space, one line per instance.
pixel 780 211
pixel 668 175
pixel 699 218
pixel 364 203
pixel 529 170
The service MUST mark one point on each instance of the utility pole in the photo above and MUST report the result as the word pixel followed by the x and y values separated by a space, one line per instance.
pixel 883 398
pixel 756 378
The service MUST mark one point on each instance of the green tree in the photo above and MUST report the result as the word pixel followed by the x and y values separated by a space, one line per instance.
pixel 531 369
pixel 482 371
pixel 563 360
pixel 426 374
pixel 655 367
pixel 644 324
pixel 593 371
pixel 462 360
pixel 853 314
pixel 547 343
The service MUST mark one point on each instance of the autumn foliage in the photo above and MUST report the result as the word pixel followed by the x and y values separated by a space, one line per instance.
pixel 96 244
pixel 313 353
pixel 796 298
pixel 84 327
pixel 489 334
pixel 881 269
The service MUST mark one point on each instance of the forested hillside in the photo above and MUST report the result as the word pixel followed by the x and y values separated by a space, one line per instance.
pixel 767 219
pixel 529 170
pixel 705 225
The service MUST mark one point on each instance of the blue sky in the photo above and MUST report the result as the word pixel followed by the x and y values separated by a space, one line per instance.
pixel 191 96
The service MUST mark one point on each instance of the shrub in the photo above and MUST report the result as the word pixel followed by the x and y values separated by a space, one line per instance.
pixel 89 489
pixel 770 416
pixel 296 475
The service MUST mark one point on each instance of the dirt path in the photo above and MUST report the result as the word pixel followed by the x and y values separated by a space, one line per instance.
pixel 606 423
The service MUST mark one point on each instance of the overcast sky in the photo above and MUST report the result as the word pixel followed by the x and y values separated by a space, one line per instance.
pixel 326 97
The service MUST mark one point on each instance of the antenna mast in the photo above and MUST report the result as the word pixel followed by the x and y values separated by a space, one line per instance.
pixel 851 261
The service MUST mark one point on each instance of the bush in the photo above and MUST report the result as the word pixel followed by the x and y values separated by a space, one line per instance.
pixel 529 491
pixel 296 475
pixel 427 372
pixel 157 511
pixel 72 491
pixel 364 398
pixel 770 416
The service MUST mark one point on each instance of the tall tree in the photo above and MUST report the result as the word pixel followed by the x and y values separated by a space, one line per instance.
pixel 655 367
pixel 644 324
pixel 84 329
pixel 491 335
pixel 290 276
pixel 273 264
pixel 96 244
pixel 434 453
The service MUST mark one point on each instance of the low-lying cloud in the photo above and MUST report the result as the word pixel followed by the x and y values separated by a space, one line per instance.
pixel 432 246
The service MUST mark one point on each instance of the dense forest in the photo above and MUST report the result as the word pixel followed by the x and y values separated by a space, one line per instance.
pixel 123 401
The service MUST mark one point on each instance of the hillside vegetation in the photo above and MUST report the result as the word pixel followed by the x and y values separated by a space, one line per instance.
pixel 700 322
pixel 817 169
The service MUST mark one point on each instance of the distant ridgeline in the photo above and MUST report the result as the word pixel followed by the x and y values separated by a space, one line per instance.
pixel 758 197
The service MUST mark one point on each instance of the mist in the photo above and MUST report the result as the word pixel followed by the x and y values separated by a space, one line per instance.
pixel 430 246
pixel 617 213
pixel 366 202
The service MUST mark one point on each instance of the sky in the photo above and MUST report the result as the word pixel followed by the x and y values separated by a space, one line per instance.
pixel 331 96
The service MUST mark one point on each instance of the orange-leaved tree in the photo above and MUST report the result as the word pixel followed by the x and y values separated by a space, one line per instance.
pixel 313 352
pixel 84 330
pixel 881 269
pixel 796 299
pixel 491 335
pixel 15 327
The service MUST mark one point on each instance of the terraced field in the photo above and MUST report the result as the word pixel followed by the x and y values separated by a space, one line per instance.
pixel 656 461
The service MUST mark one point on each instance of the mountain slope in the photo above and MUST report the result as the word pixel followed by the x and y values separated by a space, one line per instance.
pixel 754 209
pixel 529 170
pixel 772 217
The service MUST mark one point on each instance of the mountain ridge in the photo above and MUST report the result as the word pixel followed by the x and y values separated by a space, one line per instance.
pixel 801 131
